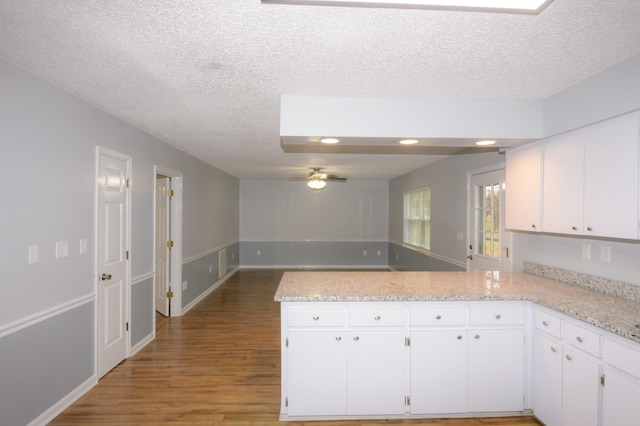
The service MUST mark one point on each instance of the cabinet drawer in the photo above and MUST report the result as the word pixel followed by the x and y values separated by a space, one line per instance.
pixel 582 338
pixel 496 315
pixel 623 357
pixel 434 316
pixel 548 323
pixel 378 316
pixel 317 317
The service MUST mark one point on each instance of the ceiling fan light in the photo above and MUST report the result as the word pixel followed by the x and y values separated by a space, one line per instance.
pixel 316 184
pixel 329 140
pixel 485 143
pixel 408 142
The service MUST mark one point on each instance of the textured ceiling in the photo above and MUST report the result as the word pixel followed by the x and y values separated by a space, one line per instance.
pixel 206 75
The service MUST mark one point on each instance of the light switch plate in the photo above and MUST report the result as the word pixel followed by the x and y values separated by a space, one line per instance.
pixel 62 249
pixel 34 254
pixel 83 246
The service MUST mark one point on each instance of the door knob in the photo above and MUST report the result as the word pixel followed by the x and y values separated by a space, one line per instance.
pixel 105 277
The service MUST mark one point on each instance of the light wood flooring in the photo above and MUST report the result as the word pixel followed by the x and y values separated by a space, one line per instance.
pixel 218 364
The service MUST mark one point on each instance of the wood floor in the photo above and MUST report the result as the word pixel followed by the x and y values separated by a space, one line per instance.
pixel 218 364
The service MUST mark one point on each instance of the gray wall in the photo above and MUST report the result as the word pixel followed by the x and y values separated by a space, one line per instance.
pixel 448 181
pixel 293 226
pixel 48 165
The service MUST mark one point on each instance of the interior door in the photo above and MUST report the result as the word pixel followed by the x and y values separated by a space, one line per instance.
pixel 111 267
pixel 489 242
pixel 163 222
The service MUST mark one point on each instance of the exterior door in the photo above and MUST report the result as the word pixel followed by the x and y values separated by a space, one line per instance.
pixel 112 269
pixel 163 222
pixel 489 242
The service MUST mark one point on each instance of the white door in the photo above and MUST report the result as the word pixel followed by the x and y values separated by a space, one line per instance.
pixel 163 211
pixel 112 269
pixel 488 240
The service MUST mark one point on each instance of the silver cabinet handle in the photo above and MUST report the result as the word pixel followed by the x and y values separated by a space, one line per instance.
pixel 459 337
pixel 579 339
pixel 438 317
pixel 545 323
pixel 553 349
pixel 356 338
pixel 316 318
pixel 105 277
pixel 498 316
pixel 338 338
pixel 377 318
pixel 568 357
pixel 477 336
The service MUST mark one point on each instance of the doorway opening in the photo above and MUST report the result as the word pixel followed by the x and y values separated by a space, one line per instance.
pixel 167 243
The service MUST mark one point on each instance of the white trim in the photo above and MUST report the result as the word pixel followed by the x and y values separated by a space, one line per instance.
pixel 204 294
pixel 38 317
pixel 57 408
pixel 314 241
pixel 207 252
pixel 144 342
pixel 354 267
pixel 141 278
pixel 448 260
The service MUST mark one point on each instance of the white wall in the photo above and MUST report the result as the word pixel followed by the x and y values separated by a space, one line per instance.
pixel 278 210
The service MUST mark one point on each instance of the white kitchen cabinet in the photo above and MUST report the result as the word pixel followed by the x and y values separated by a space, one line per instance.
pixel 580 389
pixel 590 183
pixel 317 373
pixel 547 379
pixel 495 370
pixel 621 384
pixel 523 194
pixel 376 372
pixel 438 371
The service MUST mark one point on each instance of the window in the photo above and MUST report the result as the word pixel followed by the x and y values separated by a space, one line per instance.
pixel 417 218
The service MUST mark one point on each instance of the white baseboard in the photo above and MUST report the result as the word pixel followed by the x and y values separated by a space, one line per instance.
pixel 198 299
pixel 57 408
pixel 142 343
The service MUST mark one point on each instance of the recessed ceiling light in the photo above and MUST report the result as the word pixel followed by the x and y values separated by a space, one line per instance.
pixel 485 143
pixel 329 140
pixel 513 6
pixel 408 142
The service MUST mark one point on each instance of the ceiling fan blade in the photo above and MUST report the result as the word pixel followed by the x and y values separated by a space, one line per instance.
pixel 336 179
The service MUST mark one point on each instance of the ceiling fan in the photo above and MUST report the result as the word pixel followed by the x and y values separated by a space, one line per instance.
pixel 317 179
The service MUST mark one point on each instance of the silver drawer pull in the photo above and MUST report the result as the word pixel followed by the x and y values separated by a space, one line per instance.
pixel 459 337
pixel 545 323
pixel 356 338
pixel 568 357
pixel 579 339
pixel 316 318
pixel 438 317
pixel 477 336
pixel 553 349
pixel 377 318
pixel 338 338
pixel 498 316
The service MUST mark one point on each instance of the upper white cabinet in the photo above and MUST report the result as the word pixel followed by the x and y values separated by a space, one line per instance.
pixel 591 180
pixel 524 188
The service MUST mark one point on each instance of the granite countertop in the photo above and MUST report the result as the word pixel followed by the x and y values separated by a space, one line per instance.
pixel 609 312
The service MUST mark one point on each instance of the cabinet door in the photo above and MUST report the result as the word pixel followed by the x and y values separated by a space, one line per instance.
pixel 547 380
pixel 620 399
pixel 438 371
pixel 377 372
pixel 611 179
pixel 580 389
pixel 523 188
pixel 496 370
pixel 563 191
pixel 317 373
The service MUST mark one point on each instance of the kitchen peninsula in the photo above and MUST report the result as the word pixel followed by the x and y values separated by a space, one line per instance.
pixel 431 344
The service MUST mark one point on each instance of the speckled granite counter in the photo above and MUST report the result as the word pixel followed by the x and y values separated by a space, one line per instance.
pixel 615 314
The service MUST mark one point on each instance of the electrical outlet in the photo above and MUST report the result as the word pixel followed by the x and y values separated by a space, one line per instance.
pixel 185 285
pixel 62 249
pixel 259 253
pixel 364 252
pixel 459 236
pixel 586 251
pixel 379 252
pixel 34 254
pixel 83 246
pixel 605 254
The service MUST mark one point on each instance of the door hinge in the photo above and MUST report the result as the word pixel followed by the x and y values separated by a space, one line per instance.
pixel 128 183
pixel 286 402
pixel 126 326
pixel 407 400
pixel 169 294
pixel 126 254
pixel 407 341
pixel 170 193
pixel 286 342
pixel 170 243
pixel 602 380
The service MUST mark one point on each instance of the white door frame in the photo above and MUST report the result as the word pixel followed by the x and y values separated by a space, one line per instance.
pixel 470 210
pixel 97 240
pixel 176 235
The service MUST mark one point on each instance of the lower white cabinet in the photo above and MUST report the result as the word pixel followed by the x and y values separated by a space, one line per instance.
pixel 547 379
pixel 580 389
pixel 621 383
